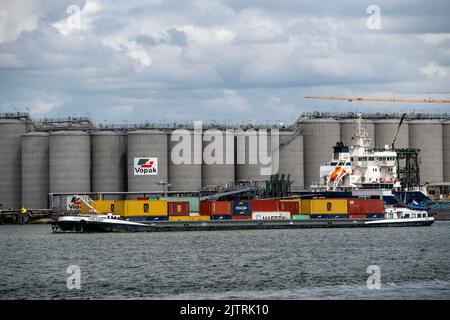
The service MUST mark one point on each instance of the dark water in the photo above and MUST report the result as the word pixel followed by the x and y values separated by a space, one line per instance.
pixel 259 264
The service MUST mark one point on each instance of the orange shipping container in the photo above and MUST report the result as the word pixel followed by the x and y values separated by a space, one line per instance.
pixel 208 208
pixel 292 206
pixel 365 206
pixel 178 208
pixel 265 205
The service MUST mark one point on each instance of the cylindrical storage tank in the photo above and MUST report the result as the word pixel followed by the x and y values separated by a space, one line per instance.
pixel 218 158
pixel 291 159
pixel 253 156
pixel 385 130
pixel 446 145
pixel 10 163
pixel 35 170
pixel 185 160
pixel 147 160
pixel 426 135
pixel 109 162
pixel 319 137
pixel 349 128
pixel 70 162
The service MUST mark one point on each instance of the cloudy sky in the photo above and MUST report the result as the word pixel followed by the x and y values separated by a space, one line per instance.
pixel 228 61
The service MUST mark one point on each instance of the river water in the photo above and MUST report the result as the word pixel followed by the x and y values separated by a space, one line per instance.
pixel 414 263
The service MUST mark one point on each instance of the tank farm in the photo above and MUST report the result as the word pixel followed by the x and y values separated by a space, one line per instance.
pixel 45 163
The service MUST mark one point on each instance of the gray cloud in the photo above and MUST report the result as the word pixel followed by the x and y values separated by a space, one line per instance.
pixel 222 60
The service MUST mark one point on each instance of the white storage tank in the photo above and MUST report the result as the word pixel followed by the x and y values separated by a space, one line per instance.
pixel 185 160
pixel 426 135
pixel 35 170
pixel 70 162
pixel 446 155
pixel 291 159
pixel 385 130
pixel 10 163
pixel 147 164
pixel 218 168
pixel 319 137
pixel 253 156
pixel 109 162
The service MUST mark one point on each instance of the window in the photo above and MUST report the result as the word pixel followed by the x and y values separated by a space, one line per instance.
pixel 371 158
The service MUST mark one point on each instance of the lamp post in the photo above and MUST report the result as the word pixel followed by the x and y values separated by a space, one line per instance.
pixel 165 185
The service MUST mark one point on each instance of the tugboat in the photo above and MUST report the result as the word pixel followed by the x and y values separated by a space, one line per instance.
pixel 402 217
pixel 96 223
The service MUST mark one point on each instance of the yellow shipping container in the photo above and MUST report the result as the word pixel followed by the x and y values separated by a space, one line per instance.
pixel 324 206
pixel 199 218
pixel 102 206
pixel 189 218
pixel 139 208
pixel 179 218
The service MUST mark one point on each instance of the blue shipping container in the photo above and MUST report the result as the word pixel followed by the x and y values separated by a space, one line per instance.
pixel 375 216
pixel 241 207
pixel 328 216
pixel 149 218
pixel 221 217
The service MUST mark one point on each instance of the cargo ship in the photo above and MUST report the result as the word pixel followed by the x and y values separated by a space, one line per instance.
pixel 355 190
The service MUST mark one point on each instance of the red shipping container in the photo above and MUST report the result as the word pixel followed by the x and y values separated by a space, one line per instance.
pixel 365 206
pixel 265 205
pixel 208 208
pixel 242 217
pixel 178 208
pixel 290 206
pixel 142 198
pixel 357 216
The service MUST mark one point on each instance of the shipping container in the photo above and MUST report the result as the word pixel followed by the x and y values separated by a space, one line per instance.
pixel 357 216
pixel 139 208
pixel 147 218
pixel 375 216
pixel 194 202
pixel 271 215
pixel 365 206
pixel 199 218
pixel 292 206
pixel 265 205
pixel 102 206
pixel 142 198
pixel 324 206
pixel 300 216
pixel 179 218
pixel 241 207
pixel 221 217
pixel 242 217
pixel 208 208
pixel 329 216
pixel 178 208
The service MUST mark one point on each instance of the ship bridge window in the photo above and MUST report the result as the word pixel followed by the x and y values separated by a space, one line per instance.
pixel 371 158
pixel 352 159
pixel 363 159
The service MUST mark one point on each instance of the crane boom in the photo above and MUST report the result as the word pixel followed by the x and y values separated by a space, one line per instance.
pixel 380 99
pixel 398 130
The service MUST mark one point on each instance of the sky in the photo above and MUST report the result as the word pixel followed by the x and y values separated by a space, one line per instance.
pixel 216 60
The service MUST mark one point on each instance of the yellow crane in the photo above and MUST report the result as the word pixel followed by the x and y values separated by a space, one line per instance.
pixel 429 100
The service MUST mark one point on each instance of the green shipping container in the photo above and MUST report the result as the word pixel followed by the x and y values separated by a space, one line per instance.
pixel 300 216
pixel 194 202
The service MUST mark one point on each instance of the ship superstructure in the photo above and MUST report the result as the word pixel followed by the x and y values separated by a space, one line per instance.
pixel 359 166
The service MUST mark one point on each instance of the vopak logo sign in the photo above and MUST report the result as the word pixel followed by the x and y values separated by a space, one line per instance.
pixel 145 166
pixel 74 203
